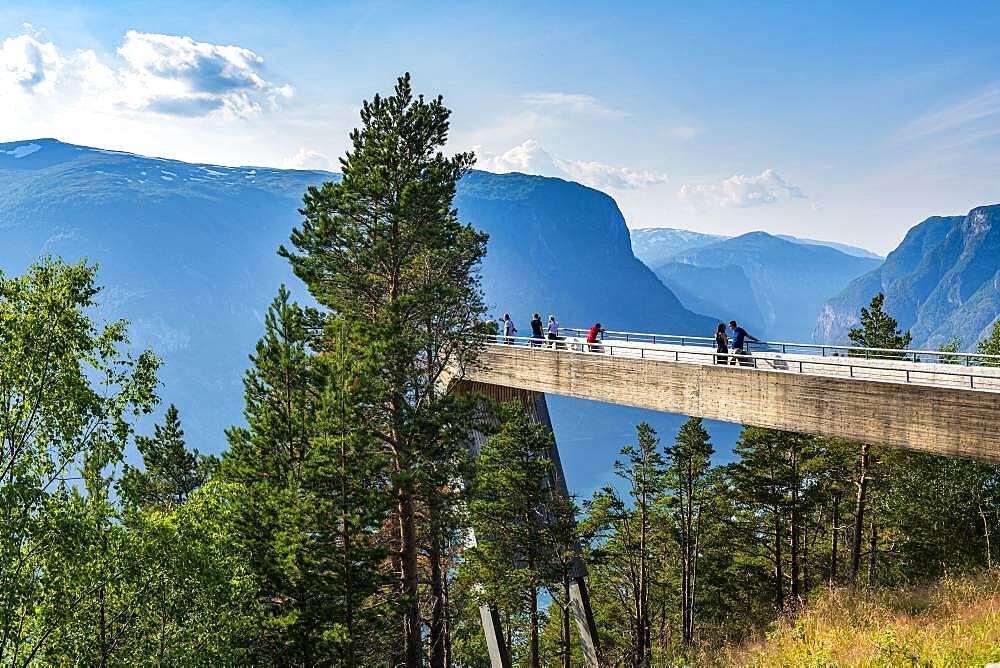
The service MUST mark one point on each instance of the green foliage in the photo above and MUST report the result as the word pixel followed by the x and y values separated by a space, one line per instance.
pixel 952 345
pixel 878 329
pixel 690 459
pixel 519 519
pixel 314 496
pixel 383 251
pixel 991 345
pixel 70 394
pixel 170 473
pixel 624 549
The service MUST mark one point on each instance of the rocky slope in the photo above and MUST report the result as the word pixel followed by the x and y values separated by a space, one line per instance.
pixel 942 281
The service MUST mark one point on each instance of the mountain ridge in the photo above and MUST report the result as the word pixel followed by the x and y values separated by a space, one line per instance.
pixel 657 245
pixel 188 254
pixel 785 282
pixel 942 281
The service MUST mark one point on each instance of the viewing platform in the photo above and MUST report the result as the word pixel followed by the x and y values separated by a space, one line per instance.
pixel 935 402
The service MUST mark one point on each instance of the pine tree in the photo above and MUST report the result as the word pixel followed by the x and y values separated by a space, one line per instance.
pixel 991 345
pixel 878 330
pixel 625 527
pixel 171 472
pixel 384 249
pixel 518 520
pixel 316 495
pixel 688 462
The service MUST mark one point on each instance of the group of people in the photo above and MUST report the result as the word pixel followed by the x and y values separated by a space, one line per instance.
pixel 728 351
pixel 545 331
pixel 740 351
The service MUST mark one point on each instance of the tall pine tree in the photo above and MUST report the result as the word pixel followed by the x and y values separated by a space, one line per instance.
pixel 878 330
pixel 384 249
pixel 315 496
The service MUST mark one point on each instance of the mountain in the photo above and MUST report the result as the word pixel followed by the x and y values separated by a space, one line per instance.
pixel 187 253
pixel 848 249
pixel 657 245
pixel 942 281
pixel 711 290
pixel 785 282
pixel 562 248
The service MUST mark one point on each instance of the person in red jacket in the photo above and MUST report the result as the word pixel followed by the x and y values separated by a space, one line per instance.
pixel 596 332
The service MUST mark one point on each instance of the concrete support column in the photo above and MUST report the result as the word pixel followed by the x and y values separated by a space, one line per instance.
pixel 537 409
pixel 493 630
pixel 583 616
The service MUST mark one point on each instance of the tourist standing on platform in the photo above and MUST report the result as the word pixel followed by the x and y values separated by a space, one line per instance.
pixel 740 348
pixel 536 330
pixel 552 330
pixel 721 345
pixel 509 330
pixel 595 335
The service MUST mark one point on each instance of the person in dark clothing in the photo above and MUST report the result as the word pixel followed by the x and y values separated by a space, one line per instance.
pixel 536 330
pixel 740 348
pixel 595 334
pixel 721 345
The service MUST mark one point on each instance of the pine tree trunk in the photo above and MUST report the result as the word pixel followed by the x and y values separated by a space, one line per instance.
pixel 437 631
pixel 795 593
pixel 686 630
pixel 859 516
pixel 509 636
pixel 536 661
pixel 986 535
pixel 448 654
pixel 806 582
pixel 413 648
pixel 872 554
pixel 779 571
pixel 642 625
pixel 834 528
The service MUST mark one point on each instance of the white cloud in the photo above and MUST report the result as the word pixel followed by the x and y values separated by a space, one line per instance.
pixel 308 159
pixel 29 66
pixel 531 158
pixel 178 76
pixel 741 191
pixel 685 132
pixel 164 74
pixel 984 104
pixel 575 103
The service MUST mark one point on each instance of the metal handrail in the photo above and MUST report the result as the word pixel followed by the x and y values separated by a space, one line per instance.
pixel 852 351
pixel 576 346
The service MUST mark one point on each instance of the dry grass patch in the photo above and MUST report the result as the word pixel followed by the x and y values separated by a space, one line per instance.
pixel 954 622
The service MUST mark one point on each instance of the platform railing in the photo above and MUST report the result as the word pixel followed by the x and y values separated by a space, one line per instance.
pixel 821 349
pixel 766 358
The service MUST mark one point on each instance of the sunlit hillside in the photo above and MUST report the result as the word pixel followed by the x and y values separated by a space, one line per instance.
pixel 954 622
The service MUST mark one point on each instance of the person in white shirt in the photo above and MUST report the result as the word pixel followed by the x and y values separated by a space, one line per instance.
pixel 509 330
pixel 552 330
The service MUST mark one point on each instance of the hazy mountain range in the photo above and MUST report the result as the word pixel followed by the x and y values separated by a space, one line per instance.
pixel 942 281
pixel 187 253
pixel 775 286
pixel 658 245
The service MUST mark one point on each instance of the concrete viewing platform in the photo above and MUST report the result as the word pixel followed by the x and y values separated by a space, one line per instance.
pixel 941 403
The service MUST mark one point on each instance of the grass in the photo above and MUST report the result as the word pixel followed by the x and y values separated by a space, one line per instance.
pixel 953 622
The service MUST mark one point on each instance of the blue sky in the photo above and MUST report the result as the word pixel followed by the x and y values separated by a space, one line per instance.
pixel 846 121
